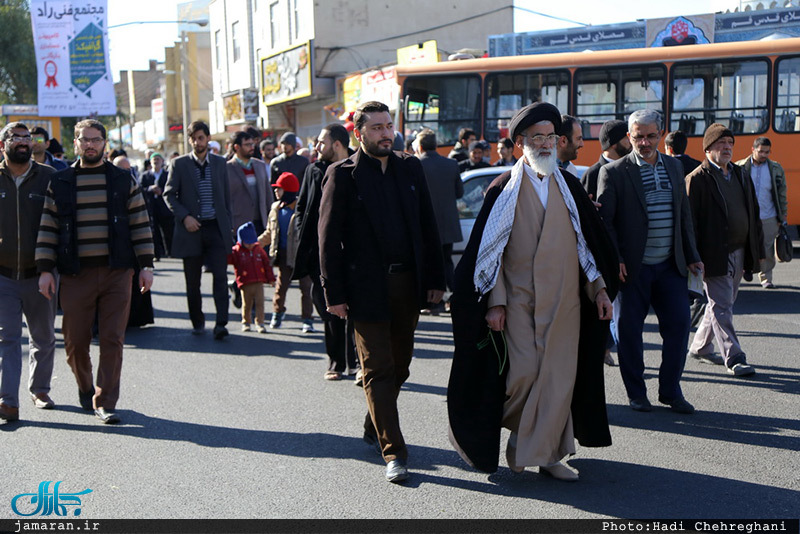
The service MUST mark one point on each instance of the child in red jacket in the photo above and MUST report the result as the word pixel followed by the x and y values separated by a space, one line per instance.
pixel 253 270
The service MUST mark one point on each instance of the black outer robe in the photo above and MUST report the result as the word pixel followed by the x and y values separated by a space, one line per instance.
pixel 476 390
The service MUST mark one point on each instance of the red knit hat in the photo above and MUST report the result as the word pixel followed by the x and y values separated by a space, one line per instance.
pixel 288 182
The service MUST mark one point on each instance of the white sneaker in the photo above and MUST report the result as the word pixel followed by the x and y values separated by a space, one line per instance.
pixel 261 329
pixel 245 327
pixel 308 327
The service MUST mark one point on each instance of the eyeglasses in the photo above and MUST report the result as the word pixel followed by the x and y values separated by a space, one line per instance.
pixel 20 139
pixel 539 140
pixel 651 138
pixel 91 140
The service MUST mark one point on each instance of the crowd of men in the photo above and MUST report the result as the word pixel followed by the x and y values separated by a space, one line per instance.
pixel 368 233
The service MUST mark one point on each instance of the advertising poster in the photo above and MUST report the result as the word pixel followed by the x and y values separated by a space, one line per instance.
pixel 71 46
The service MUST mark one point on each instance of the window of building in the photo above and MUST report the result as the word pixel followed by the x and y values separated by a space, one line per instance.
pixel 217 46
pixel 787 102
pixel 733 93
pixel 614 93
pixel 236 41
pixel 274 25
pixel 507 93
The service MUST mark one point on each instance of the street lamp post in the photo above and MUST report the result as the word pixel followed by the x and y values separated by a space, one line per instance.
pixel 184 70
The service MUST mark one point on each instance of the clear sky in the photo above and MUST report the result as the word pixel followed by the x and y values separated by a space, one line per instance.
pixel 132 46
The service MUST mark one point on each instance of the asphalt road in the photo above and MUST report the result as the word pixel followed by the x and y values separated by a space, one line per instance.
pixel 247 428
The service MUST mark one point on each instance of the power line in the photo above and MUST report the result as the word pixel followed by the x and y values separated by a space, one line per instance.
pixel 551 16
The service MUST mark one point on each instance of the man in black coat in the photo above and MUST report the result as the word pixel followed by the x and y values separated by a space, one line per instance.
pixel 615 144
pixel 162 221
pixel 477 391
pixel 380 264
pixel 332 146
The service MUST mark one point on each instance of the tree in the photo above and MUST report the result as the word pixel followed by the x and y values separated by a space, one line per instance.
pixel 17 61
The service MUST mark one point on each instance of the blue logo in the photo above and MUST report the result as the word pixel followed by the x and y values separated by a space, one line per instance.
pixel 48 503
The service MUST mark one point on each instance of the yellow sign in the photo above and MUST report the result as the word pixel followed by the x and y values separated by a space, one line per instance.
pixel 418 54
pixel 286 76
pixel 351 89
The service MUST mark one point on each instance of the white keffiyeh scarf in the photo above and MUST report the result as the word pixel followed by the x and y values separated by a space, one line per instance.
pixel 498 229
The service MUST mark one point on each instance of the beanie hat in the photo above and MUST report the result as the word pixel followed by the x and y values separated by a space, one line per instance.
pixel 612 133
pixel 288 138
pixel 714 133
pixel 156 155
pixel 247 234
pixel 288 182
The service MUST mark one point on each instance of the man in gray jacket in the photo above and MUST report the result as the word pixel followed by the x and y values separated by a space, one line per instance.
pixel 198 194
pixel 445 186
pixel 23 183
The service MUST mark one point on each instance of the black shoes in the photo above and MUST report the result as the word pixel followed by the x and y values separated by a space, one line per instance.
pixel 396 471
pixel 641 405
pixel 679 405
pixel 86 400
pixel 237 295
pixel 220 332
pixel 107 416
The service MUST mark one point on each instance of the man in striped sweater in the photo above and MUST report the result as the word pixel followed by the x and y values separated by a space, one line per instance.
pixel 95 231
pixel 646 211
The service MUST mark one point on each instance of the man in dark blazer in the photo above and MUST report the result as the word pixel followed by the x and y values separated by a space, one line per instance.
pixel 646 211
pixel 380 264
pixel 445 185
pixel 615 144
pixel 247 179
pixel 198 194
pixel 332 146
pixel 162 221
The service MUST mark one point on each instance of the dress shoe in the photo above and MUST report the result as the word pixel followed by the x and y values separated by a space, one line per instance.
pixel 559 471
pixel 107 416
pixel 86 400
pixel 641 405
pixel 372 440
pixel 679 405
pixel 608 359
pixel 198 330
pixel 43 401
pixel 220 332
pixel 713 358
pixel 396 471
pixel 9 414
pixel 741 369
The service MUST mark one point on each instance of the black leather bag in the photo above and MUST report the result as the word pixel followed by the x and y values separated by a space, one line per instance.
pixel 783 245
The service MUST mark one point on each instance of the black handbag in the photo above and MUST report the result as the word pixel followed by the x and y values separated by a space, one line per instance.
pixel 783 245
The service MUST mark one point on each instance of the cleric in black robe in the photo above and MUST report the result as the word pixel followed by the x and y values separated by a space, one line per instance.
pixel 477 387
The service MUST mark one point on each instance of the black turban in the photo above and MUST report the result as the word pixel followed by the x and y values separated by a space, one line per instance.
pixel 536 112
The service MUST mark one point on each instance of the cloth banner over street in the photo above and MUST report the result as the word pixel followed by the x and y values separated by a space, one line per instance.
pixel 71 46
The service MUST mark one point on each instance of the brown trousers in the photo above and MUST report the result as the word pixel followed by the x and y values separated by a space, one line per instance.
pixel 252 297
pixel 282 283
pixel 106 293
pixel 385 349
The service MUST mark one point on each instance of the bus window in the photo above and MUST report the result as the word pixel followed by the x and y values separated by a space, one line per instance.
pixel 508 93
pixel 615 93
pixel 445 104
pixel 733 93
pixel 787 104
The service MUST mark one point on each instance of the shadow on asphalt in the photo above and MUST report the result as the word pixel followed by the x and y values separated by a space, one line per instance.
pixel 716 426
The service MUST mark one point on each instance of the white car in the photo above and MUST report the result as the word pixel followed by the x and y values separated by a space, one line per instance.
pixel 476 182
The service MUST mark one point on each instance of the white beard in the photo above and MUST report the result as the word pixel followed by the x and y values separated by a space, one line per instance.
pixel 542 165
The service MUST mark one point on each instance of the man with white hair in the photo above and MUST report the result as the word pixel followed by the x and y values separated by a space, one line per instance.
pixel 646 210
pixel 538 269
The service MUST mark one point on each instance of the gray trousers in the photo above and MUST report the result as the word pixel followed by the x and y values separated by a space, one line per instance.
pixel 718 319
pixel 18 297
pixel 770 227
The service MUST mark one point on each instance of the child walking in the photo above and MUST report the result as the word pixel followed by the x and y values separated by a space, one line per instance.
pixel 253 269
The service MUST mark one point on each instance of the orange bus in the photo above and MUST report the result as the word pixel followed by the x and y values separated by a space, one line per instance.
pixel 753 87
